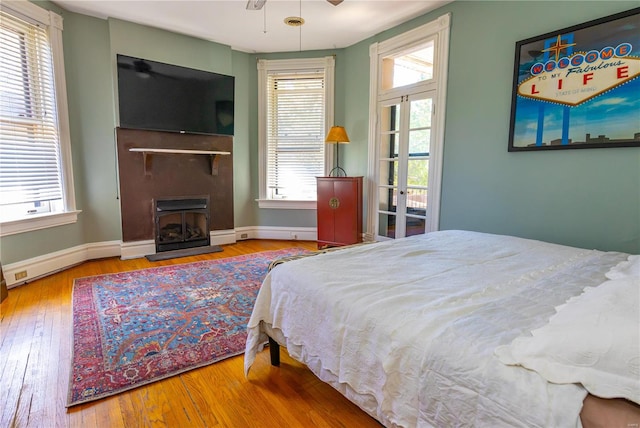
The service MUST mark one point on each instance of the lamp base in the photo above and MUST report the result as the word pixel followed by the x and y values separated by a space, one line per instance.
pixel 337 170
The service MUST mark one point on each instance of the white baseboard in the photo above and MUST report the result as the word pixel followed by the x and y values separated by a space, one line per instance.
pixel 273 232
pixel 53 262
pixel 221 237
pixel 137 249
pixel 47 264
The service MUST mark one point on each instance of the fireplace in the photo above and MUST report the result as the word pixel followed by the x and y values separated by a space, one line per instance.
pixel 181 223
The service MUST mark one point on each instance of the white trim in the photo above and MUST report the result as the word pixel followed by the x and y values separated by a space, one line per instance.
pixel 38 222
pixel 437 152
pixel 54 26
pixel 47 264
pixel 408 37
pixel 287 204
pixel 264 66
pixel 27 10
pixel 439 28
pixel 64 130
pixel 137 249
pixel 372 164
pixel 221 237
pixel 277 232
pixel 100 250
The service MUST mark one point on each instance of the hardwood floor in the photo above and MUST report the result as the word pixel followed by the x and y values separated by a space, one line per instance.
pixel 35 360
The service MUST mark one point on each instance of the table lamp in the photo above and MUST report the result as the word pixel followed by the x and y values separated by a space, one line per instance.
pixel 337 135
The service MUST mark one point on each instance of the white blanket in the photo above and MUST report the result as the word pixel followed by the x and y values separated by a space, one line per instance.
pixel 407 329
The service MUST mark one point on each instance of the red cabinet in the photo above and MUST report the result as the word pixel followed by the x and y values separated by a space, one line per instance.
pixel 339 211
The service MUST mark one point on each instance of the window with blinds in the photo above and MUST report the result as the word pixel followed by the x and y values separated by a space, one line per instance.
pixel 295 108
pixel 295 134
pixel 30 167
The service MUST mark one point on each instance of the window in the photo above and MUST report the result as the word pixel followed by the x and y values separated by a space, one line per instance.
pixel 409 66
pixel 295 110
pixel 36 186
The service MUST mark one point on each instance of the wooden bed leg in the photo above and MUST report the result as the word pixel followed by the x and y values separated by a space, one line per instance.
pixel 274 351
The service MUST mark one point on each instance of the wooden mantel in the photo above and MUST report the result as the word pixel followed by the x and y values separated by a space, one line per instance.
pixel 148 152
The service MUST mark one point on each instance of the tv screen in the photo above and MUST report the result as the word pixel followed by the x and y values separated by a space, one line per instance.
pixel 164 97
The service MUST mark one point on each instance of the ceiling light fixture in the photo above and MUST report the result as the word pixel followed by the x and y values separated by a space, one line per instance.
pixel 294 21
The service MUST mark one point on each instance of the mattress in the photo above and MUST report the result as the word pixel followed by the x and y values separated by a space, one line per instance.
pixel 407 329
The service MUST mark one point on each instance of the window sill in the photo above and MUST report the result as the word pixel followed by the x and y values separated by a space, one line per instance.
pixel 286 204
pixel 42 221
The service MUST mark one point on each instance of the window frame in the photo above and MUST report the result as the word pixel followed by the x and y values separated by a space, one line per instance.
pixel 53 23
pixel 290 65
pixel 437 30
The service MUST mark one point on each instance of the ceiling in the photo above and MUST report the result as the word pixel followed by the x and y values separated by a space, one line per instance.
pixel 257 31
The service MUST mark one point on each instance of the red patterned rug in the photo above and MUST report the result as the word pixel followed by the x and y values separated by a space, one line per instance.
pixel 134 328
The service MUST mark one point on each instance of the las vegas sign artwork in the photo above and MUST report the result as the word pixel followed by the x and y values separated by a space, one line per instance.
pixel 579 87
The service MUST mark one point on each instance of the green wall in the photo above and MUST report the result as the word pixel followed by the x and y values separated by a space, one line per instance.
pixel 588 198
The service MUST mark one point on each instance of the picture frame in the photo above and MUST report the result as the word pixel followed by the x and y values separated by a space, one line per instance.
pixel 578 87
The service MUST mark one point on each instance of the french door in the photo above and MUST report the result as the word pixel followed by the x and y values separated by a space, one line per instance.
pixel 408 82
pixel 405 140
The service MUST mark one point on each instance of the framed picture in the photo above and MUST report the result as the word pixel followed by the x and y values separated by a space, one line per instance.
pixel 578 87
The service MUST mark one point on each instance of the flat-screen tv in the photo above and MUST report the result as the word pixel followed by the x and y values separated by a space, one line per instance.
pixel 165 97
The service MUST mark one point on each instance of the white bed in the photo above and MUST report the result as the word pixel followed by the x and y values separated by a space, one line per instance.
pixel 420 331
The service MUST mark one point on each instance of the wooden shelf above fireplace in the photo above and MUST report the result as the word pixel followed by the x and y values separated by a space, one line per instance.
pixel 148 153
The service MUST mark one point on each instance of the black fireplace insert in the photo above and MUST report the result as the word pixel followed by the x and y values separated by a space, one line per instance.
pixel 181 223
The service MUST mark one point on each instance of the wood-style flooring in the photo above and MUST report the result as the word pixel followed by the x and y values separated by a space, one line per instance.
pixel 35 360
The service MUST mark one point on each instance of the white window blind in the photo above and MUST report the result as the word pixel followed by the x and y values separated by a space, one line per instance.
pixel 295 134
pixel 30 169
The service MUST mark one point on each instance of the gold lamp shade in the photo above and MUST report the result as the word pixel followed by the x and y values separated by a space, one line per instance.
pixel 337 135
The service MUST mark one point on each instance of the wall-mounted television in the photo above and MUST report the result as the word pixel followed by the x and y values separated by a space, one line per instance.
pixel 165 97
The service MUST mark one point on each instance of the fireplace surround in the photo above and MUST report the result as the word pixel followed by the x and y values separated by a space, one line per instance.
pixel 172 176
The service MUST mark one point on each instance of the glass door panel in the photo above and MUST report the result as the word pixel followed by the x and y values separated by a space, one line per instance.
pixel 390 117
pixel 421 112
pixel 409 66
pixel 169 227
pixel 417 202
pixel 405 142
pixel 388 199
pixel 415 226
pixel 386 225
pixel 389 146
pixel 419 140
pixel 418 172
pixel 389 167
pixel 389 173
pixel 417 181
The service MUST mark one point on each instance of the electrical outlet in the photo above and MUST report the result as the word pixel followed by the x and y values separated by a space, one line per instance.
pixel 244 235
pixel 21 274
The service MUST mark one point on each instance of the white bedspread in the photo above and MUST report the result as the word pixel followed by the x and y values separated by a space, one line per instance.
pixel 407 329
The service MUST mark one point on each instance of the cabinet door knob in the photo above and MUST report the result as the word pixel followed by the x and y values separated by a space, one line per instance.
pixel 402 192
pixel 334 203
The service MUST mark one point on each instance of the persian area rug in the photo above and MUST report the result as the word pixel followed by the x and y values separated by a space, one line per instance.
pixel 134 328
